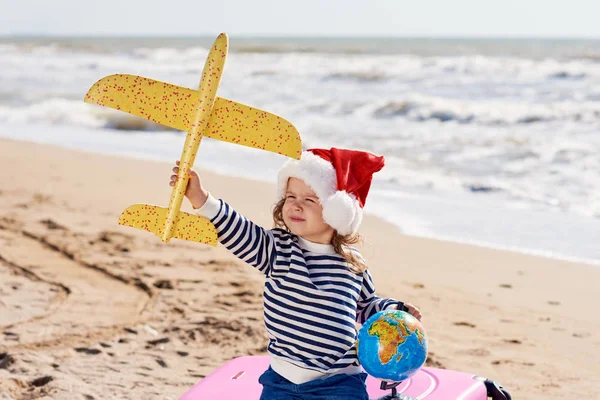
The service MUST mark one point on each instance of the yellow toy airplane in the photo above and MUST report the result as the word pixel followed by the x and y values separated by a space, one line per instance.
pixel 200 113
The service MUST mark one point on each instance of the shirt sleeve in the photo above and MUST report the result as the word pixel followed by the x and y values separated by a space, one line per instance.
pixel 245 239
pixel 368 303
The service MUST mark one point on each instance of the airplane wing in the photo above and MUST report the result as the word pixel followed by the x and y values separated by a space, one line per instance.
pixel 175 106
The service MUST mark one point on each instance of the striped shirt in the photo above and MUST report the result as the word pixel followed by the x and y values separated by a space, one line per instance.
pixel 312 301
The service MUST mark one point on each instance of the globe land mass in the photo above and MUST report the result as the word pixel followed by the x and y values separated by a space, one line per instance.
pixel 393 331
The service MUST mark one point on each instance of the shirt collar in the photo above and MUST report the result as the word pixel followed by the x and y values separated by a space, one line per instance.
pixel 315 247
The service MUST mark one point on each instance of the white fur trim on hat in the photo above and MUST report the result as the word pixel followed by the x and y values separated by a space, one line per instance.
pixel 341 210
pixel 313 170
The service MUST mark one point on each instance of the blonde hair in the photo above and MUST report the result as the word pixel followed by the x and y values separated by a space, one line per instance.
pixel 341 243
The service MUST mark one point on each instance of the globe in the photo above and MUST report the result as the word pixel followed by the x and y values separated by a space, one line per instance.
pixel 391 345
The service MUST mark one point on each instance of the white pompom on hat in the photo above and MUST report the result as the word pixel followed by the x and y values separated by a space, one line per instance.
pixel 340 178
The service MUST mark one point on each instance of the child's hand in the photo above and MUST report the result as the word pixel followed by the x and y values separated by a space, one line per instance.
pixel 194 191
pixel 413 310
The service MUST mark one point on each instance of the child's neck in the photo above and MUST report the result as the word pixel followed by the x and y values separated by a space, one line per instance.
pixel 325 237
pixel 322 248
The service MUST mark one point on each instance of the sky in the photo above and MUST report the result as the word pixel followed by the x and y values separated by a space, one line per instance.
pixel 396 18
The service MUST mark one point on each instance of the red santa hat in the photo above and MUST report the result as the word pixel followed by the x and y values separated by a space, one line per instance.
pixel 340 178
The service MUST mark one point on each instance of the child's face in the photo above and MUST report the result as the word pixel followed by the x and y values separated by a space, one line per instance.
pixel 303 214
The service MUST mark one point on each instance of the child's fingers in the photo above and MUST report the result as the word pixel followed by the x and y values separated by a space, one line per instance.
pixel 414 311
pixel 191 173
pixel 412 307
pixel 417 314
pixel 177 162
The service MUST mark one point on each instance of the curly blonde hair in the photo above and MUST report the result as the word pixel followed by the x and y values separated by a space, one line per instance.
pixel 341 243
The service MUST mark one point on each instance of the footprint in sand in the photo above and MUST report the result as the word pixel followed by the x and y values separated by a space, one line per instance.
pixel 432 361
pixel 244 293
pixel 87 350
pixel 50 224
pixel 164 284
pixel 161 363
pixel 6 360
pixel 10 336
pixel 525 363
pixel 479 352
pixel 582 335
pixel 94 302
pixel 44 380
pixel 159 341
pixel 463 323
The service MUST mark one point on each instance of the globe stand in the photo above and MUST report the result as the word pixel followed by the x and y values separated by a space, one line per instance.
pixel 394 395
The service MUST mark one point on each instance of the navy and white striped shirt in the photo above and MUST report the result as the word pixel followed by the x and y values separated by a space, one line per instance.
pixel 312 300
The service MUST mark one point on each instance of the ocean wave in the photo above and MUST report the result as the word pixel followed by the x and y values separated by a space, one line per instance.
pixel 273 48
pixel 312 63
pixel 60 111
pixel 491 113
pixel 394 109
pixel 476 188
pixel 358 76
pixel 568 75
pixel 416 108
pixel 127 122
pixel 55 113
pixel 169 54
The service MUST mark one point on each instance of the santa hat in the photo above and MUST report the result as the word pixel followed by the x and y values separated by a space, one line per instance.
pixel 340 178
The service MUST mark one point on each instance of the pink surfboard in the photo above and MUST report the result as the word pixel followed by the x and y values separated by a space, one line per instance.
pixel 238 379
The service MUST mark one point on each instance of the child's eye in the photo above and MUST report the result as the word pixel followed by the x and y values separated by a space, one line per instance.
pixel 310 200
pixel 289 196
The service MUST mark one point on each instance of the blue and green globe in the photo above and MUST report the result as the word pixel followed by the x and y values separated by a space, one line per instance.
pixel 392 345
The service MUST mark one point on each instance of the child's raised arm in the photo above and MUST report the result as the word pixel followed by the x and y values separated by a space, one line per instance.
pixel 245 239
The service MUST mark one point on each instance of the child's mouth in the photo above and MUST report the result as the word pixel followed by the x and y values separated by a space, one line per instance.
pixel 294 219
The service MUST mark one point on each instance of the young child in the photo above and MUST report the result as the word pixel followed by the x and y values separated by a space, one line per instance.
pixel 317 287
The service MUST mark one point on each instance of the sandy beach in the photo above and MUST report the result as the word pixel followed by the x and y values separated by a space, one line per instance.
pixel 93 310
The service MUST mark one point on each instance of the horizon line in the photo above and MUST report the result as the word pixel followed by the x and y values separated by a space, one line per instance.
pixel 293 36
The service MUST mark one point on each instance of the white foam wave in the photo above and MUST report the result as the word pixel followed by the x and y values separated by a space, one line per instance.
pixel 424 212
pixel 76 113
pixel 423 108
pixel 416 108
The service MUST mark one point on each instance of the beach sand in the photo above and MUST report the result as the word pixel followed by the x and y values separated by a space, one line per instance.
pixel 93 310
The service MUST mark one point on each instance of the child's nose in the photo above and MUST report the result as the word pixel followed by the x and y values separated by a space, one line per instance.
pixel 296 204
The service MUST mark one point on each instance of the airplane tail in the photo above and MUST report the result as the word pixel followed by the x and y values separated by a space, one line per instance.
pixel 153 219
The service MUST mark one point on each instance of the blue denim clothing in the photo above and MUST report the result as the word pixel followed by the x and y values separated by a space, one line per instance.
pixel 336 387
